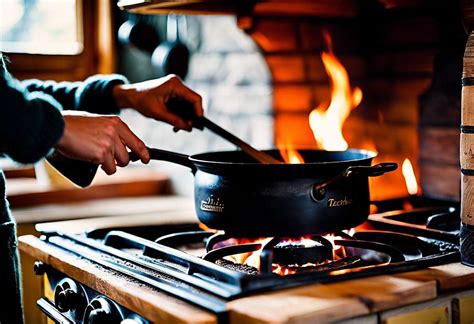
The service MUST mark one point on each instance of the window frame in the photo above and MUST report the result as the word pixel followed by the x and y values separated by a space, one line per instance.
pixel 91 15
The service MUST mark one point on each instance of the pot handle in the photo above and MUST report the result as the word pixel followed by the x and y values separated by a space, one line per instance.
pixel 162 155
pixel 319 190
pixel 370 171
pixel 82 173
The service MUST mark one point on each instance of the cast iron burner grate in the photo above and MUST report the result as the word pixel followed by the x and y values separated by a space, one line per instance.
pixel 193 264
pixel 442 223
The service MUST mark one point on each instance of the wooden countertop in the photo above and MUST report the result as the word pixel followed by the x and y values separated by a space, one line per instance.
pixel 127 182
pixel 344 300
pixel 100 212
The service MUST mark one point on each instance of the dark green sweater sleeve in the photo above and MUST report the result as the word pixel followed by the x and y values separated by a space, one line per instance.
pixel 30 123
pixel 30 118
pixel 92 95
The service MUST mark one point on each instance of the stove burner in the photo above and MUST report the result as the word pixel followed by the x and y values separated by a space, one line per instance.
pixel 222 252
pixel 316 253
pixel 314 250
pixel 345 263
pixel 195 265
pixel 448 221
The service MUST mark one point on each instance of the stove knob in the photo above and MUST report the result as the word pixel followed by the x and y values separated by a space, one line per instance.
pixel 67 299
pixel 39 268
pixel 68 296
pixel 102 310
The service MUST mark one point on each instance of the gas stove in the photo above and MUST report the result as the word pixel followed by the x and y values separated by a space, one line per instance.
pixel 209 268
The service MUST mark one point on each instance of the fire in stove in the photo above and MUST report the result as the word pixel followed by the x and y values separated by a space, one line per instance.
pixel 287 256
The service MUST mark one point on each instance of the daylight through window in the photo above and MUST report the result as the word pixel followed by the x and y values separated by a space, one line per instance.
pixel 40 26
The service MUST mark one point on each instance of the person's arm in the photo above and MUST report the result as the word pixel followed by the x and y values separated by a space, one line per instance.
pixel 30 124
pixel 92 95
pixel 107 94
pixel 99 139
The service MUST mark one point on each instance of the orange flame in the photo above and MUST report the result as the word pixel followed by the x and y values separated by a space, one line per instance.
pixel 290 154
pixel 410 178
pixel 369 144
pixel 253 258
pixel 327 124
pixel 250 258
pixel 294 157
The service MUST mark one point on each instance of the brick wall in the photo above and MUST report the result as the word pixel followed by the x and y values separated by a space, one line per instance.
pixel 389 55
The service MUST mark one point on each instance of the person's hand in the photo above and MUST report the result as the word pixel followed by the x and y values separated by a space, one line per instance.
pixel 99 139
pixel 150 97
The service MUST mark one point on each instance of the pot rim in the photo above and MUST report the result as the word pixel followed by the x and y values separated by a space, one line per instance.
pixel 364 155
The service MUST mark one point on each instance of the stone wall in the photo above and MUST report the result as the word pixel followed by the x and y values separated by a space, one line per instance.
pixel 228 71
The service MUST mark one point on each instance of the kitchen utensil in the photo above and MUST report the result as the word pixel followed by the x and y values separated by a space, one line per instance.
pixel 82 173
pixel 139 33
pixel 186 110
pixel 171 56
pixel 326 194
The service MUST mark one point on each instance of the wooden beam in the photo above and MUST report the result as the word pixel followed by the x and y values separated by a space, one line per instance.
pixel 320 8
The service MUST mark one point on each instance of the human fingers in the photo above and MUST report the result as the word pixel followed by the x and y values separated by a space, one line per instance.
pixel 179 89
pixel 121 154
pixel 133 142
pixel 108 163
pixel 165 115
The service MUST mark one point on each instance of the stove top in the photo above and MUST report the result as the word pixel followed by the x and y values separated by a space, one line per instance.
pixel 209 268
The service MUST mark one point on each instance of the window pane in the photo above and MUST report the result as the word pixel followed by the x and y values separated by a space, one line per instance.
pixel 40 26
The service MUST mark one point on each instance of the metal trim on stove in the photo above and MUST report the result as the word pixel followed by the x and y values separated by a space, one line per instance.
pixel 183 238
pixel 50 310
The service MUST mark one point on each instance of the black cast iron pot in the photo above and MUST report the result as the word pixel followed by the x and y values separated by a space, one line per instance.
pixel 327 193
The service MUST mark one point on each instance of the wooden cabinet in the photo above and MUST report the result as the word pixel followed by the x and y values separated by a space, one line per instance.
pixel 449 308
